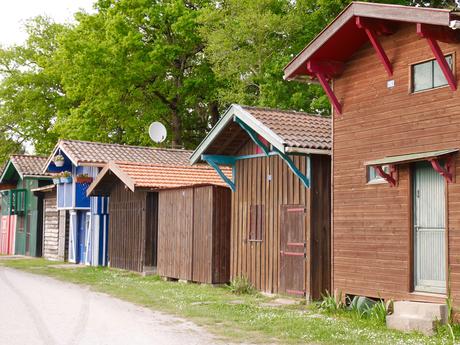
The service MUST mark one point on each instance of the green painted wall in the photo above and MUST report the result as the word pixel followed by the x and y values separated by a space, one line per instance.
pixel 29 223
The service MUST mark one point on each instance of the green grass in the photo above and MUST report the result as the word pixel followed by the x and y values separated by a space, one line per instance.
pixel 237 317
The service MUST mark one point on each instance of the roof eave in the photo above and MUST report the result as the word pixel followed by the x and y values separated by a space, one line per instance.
pixel 306 150
pixel 440 17
pixel 115 169
pixel 10 162
pixel 53 153
pixel 251 121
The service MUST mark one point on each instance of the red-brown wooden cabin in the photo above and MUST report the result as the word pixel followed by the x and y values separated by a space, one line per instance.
pixel 390 73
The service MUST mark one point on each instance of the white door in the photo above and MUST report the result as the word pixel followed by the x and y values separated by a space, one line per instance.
pixel 429 230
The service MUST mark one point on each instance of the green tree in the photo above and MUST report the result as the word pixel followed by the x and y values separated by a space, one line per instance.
pixel 30 92
pixel 248 43
pixel 133 62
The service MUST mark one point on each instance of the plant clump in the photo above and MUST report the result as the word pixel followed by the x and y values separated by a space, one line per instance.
pixel 242 286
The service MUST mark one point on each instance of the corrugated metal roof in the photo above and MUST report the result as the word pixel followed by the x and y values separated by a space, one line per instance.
pixel 411 157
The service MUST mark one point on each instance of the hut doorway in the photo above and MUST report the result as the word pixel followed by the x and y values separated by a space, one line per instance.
pixel 293 250
pixel 429 212
pixel 28 221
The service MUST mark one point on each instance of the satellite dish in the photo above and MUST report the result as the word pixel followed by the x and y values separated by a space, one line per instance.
pixel 157 132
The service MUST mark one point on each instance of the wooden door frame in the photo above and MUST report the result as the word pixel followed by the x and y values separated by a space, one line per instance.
pixel 411 280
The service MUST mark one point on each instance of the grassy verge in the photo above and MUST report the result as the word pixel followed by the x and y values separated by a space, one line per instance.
pixel 236 317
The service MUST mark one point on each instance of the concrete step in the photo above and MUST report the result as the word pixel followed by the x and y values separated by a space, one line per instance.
pixel 408 323
pixel 431 311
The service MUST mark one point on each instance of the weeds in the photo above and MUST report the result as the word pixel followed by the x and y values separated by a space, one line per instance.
pixel 242 286
pixel 330 303
pixel 358 308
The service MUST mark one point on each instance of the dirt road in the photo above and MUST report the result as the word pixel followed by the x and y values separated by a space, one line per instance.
pixel 40 310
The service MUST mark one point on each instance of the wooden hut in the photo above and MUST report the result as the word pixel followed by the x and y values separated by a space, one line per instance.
pixel 396 215
pixel 89 216
pixel 168 218
pixel 22 213
pixel 55 225
pixel 280 222
pixel 196 246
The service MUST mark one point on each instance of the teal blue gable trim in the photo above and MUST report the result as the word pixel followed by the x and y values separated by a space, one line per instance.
pixel 304 179
pixel 253 135
pixel 220 159
pixel 215 160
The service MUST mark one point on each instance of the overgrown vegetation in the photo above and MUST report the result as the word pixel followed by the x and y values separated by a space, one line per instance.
pixel 244 317
pixel 358 308
pixel 241 286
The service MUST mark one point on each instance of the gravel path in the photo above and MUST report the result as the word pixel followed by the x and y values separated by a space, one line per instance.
pixel 39 310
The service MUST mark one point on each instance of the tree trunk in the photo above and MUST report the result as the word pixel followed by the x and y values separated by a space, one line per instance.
pixel 176 126
pixel 214 109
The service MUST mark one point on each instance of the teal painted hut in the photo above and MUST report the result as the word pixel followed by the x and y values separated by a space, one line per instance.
pixel 21 223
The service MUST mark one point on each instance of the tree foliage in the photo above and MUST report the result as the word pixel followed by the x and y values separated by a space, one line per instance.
pixel 111 73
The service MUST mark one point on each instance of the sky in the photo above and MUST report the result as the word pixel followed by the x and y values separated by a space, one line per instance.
pixel 14 13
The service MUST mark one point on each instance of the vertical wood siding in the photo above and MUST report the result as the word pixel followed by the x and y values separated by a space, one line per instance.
pixel 194 233
pixel 372 223
pixel 63 249
pixel 132 229
pixel 268 181
pixel 50 227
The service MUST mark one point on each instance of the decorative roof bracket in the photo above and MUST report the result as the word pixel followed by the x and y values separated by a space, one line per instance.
pixel 304 179
pixel 447 171
pixel 391 177
pixel 432 35
pixel 215 160
pixel 371 29
pixel 253 135
pixel 323 71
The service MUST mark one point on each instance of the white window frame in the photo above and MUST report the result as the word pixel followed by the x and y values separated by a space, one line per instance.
pixel 377 179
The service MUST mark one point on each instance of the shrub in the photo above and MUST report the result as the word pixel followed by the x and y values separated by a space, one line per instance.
pixel 379 312
pixel 330 303
pixel 242 286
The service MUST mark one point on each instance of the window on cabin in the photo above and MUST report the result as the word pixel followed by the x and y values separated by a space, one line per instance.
pixel 374 177
pixel 256 223
pixel 428 75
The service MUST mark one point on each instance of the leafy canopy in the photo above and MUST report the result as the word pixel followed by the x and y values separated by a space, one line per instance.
pixel 110 74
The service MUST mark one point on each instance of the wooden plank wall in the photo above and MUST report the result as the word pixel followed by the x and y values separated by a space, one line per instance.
pixel 50 227
pixel 202 236
pixel 175 242
pixel 222 200
pixel 372 223
pixel 127 228
pixel 320 275
pixel 194 234
pixel 151 236
pixel 269 182
pixel 64 219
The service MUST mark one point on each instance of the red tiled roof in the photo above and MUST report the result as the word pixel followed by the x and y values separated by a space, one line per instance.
pixel 29 165
pixel 87 152
pixel 297 129
pixel 158 176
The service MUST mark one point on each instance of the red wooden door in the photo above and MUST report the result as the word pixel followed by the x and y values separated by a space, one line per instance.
pixel 4 238
pixel 293 248
pixel 12 220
